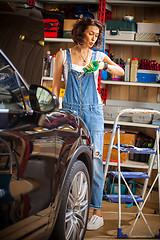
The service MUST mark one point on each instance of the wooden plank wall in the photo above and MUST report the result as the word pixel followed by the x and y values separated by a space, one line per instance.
pixel 126 93
pixel 54 48
pixel 129 93
pixel 140 14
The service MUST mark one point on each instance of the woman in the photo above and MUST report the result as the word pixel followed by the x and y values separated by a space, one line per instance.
pixel 82 96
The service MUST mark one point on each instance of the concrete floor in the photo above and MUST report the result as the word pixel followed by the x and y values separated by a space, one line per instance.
pixel 110 215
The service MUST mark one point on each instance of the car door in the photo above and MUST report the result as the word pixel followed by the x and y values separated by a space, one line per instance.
pixel 20 179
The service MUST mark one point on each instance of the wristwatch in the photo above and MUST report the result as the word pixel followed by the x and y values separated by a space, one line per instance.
pixel 105 66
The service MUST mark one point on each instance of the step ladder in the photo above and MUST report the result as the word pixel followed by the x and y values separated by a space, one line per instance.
pixel 120 175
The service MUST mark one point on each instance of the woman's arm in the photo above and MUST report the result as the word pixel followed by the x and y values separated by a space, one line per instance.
pixel 113 67
pixel 58 68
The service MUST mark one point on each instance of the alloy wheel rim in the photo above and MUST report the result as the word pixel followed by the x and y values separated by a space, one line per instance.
pixel 77 207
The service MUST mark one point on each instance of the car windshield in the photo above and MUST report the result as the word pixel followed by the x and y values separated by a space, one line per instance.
pixel 10 88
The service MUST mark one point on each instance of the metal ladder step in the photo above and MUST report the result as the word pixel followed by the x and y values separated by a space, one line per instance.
pixel 124 198
pixel 130 174
pixel 134 149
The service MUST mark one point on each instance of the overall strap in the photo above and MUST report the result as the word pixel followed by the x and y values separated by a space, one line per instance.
pixel 69 59
pixel 93 55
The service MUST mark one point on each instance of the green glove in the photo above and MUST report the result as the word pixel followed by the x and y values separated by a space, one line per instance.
pixel 91 67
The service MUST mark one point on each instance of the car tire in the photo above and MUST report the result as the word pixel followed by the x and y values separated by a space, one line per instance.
pixel 73 214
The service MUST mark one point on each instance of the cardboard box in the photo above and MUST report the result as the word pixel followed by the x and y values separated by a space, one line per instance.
pixel 68 24
pixel 125 138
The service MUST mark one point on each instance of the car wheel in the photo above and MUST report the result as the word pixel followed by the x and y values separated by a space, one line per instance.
pixel 72 218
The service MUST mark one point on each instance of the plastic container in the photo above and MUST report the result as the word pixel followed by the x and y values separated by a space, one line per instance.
pixel 136 155
pixel 144 157
pixel 52 65
pixel 47 62
pixel 116 77
pixel 134 68
pixel 127 70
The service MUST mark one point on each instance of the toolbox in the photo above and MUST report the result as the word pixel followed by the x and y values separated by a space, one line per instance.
pixel 53 24
pixel 51 28
pixel 120 30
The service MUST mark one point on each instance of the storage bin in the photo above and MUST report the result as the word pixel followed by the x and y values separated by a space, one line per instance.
pixel 110 113
pixel 148 27
pixel 142 118
pixel 145 37
pixel 113 189
pixel 146 77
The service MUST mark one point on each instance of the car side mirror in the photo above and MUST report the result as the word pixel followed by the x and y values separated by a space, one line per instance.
pixel 42 99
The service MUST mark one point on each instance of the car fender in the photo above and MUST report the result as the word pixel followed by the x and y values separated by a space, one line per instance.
pixel 85 154
pixel 87 161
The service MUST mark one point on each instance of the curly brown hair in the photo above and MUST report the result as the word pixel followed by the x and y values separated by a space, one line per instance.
pixel 81 25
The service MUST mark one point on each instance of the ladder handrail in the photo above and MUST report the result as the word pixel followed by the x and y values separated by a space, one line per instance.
pixel 136 110
pixel 127 110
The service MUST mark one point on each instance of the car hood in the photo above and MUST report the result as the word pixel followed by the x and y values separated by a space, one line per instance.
pixel 22 40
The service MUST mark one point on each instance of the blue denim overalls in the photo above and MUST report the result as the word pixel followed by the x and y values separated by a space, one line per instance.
pixel 81 96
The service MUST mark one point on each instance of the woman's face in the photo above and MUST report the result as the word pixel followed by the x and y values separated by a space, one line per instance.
pixel 90 36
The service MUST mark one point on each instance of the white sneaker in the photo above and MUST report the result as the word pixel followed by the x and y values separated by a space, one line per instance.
pixel 95 222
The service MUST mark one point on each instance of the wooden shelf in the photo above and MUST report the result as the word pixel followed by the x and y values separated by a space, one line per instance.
pixel 148 71
pixel 132 43
pixel 130 83
pixel 58 40
pixel 130 164
pixel 69 1
pixel 131 124
pixel 47 78
pixel 118 83
pixel 116 42
pixel 134 3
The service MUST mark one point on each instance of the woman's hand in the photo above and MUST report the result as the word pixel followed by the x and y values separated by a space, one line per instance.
pixel 94 66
